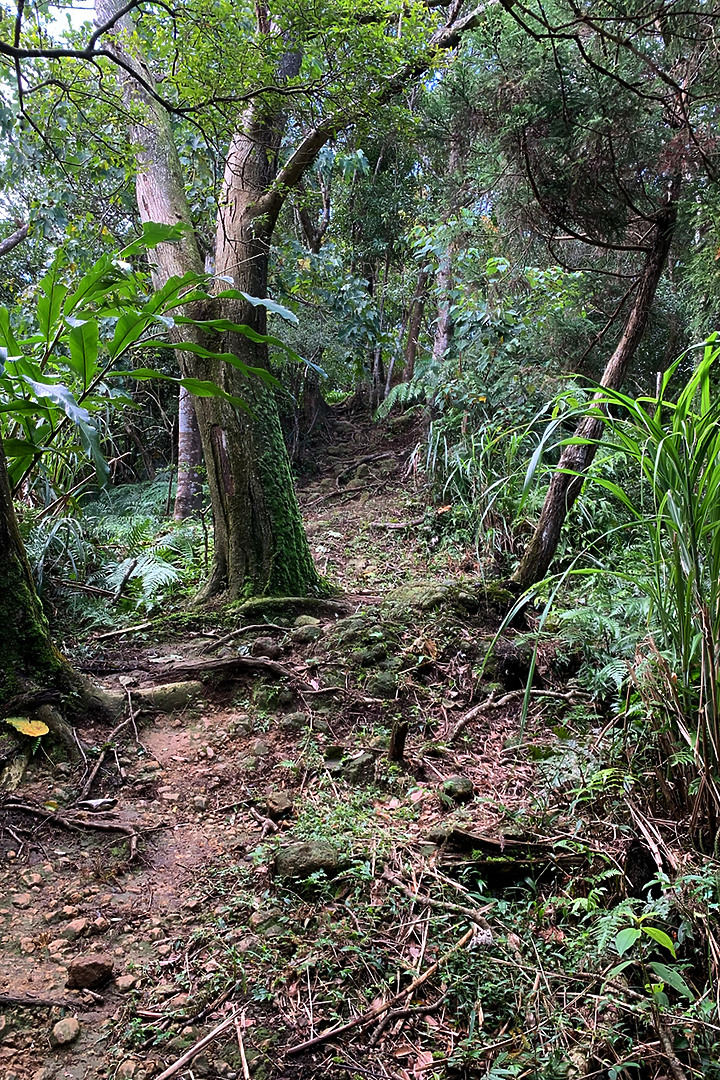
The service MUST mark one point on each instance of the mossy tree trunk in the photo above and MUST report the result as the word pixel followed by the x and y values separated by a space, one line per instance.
pixel 28 658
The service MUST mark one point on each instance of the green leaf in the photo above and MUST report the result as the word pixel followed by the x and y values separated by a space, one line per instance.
pixel 7 338
pixel 154 233
pixel 83 344
pixel 672 978
pixel 626 939
pixel 90 439
pixel 52 293
pixel 15 448
pixel 98 280
pixel 261 301
pixel 59 394
pixel 129 328
pixel 199 387
pixel 661 937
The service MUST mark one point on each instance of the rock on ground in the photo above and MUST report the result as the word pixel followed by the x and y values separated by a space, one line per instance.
pixel 89 971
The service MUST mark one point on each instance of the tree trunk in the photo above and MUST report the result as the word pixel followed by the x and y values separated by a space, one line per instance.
pixel 259 535
pixel 188 493
pixel 260 544
pixel 29 658
pixel 444 327
pixel 417 311
pixel 575 459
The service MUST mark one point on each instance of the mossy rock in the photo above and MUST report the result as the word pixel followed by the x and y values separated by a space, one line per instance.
pixel 306 634
pixel 432 595
pixel 383 684
pixel 369 656
pixel 302 859
pixel 458 789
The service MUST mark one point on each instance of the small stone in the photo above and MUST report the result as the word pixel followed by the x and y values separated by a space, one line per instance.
pixel 306 620
pixel 261 919
pixel 260 748
pixel 100 925
pixel 200 802
pixel 360 770
pixel 74 929
pixel 170 796
pixel 22 900
pixel 303 859
pixel 266 646
pixel 27 945
pixel 126 1070
pixel 305 635
pixel 293 721
pixel 90 971
pixel 65 1031
pixel 279 804
pixel 458 788
pixel 164 950
pixel 209 753
pixel 32 879
pixel 126 983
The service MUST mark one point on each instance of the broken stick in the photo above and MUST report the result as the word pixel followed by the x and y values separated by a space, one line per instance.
pixel 372 1014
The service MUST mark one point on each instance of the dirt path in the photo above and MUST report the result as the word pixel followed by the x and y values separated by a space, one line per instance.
pixel 199 920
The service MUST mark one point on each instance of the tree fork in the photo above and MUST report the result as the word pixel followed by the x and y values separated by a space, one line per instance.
pixel 576 459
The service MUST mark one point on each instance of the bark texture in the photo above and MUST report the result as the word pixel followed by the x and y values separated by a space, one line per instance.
pixel 576 459
pixel 28 657
pixel 188 493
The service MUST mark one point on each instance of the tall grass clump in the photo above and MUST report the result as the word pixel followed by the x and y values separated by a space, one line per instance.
pixel 675 446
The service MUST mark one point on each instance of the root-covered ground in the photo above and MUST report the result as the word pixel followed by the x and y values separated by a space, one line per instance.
pixel 359 831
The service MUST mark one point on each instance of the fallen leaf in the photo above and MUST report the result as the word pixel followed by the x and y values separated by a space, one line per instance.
pixel 423 1061
pixel 33 728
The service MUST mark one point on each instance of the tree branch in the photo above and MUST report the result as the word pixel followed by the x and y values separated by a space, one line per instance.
pixel 14 239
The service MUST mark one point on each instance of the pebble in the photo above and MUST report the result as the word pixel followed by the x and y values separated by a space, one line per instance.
pixel 65 1031
pixel 126 1070
pixel 126 983
pixel 75 929
pixel 22 900
pixel 200 802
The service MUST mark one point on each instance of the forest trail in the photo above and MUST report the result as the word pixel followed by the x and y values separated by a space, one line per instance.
pixel 200 919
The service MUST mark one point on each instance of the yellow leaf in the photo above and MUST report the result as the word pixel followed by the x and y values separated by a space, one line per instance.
pixel 27 727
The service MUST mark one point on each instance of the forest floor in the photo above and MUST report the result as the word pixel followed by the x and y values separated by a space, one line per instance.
pixel 288 875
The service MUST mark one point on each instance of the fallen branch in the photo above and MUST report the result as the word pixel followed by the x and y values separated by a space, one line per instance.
pixel 491 702
pixel 397 524
pixel 372 1014
pixel 232 665
pixel 405 1014
pixel 32 1002
pixel 76 824
pixel 365 460
pixel 211 646
pixel 87 786
pixel 475 915
pixel 125 630
pixel 181 1062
